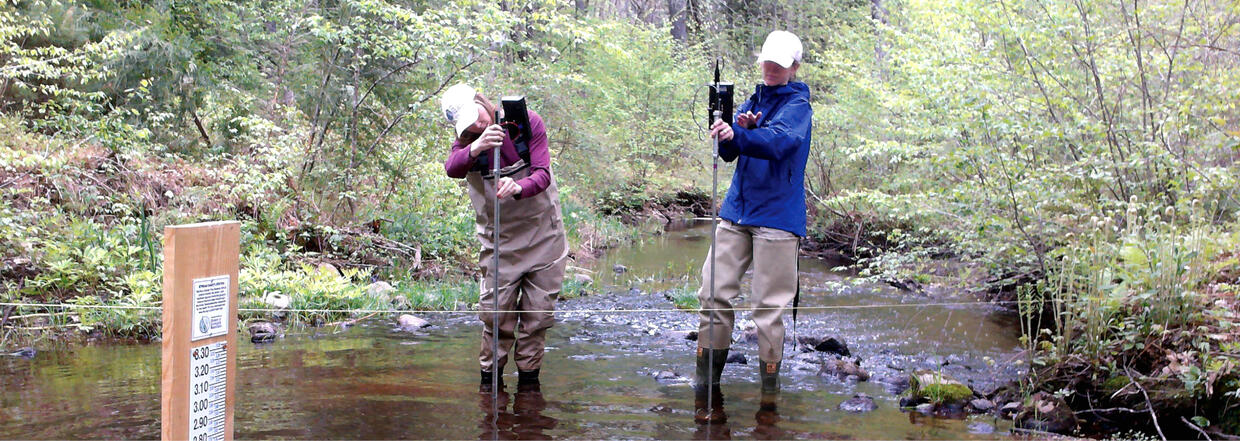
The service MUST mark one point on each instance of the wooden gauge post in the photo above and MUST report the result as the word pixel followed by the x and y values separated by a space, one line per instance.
pixel 200 331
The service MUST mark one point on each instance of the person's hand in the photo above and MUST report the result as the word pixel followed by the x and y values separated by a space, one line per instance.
pixel 721 130
pixel 491 138
pixel 508 187
pixel 748 119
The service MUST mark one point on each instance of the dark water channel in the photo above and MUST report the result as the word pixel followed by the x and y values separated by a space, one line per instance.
pixel 606 374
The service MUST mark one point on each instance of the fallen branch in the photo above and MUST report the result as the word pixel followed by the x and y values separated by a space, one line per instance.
pixel 1194 426
pixel 1110 410
pixel 1148 403
pixel 5 319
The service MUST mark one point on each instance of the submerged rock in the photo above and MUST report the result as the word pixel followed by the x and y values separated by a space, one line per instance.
pixel 619 269
pixel 859 403
pixel 408 322
pixel 262 332
pixel 981 428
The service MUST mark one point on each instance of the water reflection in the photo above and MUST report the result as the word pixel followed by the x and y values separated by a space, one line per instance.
pixel 524 421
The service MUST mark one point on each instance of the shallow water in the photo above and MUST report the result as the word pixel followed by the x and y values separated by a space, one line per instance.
pixel 606 374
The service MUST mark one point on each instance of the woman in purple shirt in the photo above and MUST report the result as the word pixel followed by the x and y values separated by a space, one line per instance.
pixel 532 246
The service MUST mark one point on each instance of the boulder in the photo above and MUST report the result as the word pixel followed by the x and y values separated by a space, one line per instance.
pixel 940 389
pixel 380 289
pixel 276 300
pixel 844 369
pixel 896 383
pixel 329 269
pixel 408 322
pixel 1047 413
pixel 262 332
pixel 859 403
pixel 737 358
pixel 833 345
pixel 982 405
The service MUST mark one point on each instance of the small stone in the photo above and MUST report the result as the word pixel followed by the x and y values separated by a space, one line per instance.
pixel 665 375
pixel 859 403
pixel 737 358
pixel 619 269
pixel 408 322
pixel 662 408
pixel 982 405
pixel 583 279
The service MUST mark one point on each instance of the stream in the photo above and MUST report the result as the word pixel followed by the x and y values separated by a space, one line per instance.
pixel 606 374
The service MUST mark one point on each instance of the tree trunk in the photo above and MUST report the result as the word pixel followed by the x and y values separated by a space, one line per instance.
pixel 879 14
pixel 676 16
pixel 582 8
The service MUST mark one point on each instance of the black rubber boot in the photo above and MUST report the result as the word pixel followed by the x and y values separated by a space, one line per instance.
pixel 709 367
pixel 769 373
pixel 485 384
pixel 706 385
pixel 525 378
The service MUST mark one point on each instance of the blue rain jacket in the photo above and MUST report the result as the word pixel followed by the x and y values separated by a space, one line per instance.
pixel 768 186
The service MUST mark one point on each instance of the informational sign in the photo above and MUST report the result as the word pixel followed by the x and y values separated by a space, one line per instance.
pixel 210 307
pixel 208 367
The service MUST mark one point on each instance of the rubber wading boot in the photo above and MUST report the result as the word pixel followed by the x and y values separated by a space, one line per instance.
pixel 706 385
pixel 768 413
pixel 769 373
pixel 527 377
pixel 485 384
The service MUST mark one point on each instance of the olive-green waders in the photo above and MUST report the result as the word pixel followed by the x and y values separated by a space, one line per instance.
pixel 773 255
pixel 533 252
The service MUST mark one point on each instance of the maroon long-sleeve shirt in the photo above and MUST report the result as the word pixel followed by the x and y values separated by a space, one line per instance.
pixel 459 162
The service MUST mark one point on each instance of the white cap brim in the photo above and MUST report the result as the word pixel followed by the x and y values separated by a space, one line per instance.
pixel 785 60
pixel 466 117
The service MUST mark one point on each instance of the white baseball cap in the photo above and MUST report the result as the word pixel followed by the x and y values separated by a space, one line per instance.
pixel 781 47
pixel 459 107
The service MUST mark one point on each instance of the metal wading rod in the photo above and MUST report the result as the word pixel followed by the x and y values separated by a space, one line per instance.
pixel 714 225
pixel 495 372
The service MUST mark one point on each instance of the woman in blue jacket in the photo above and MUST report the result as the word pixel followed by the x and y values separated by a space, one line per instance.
pixel 763 219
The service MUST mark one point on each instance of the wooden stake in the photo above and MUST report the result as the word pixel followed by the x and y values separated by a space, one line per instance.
pixel 200 275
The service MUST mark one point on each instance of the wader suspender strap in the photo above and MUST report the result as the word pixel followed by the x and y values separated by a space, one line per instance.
pixel 522 143
pixel 796 299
